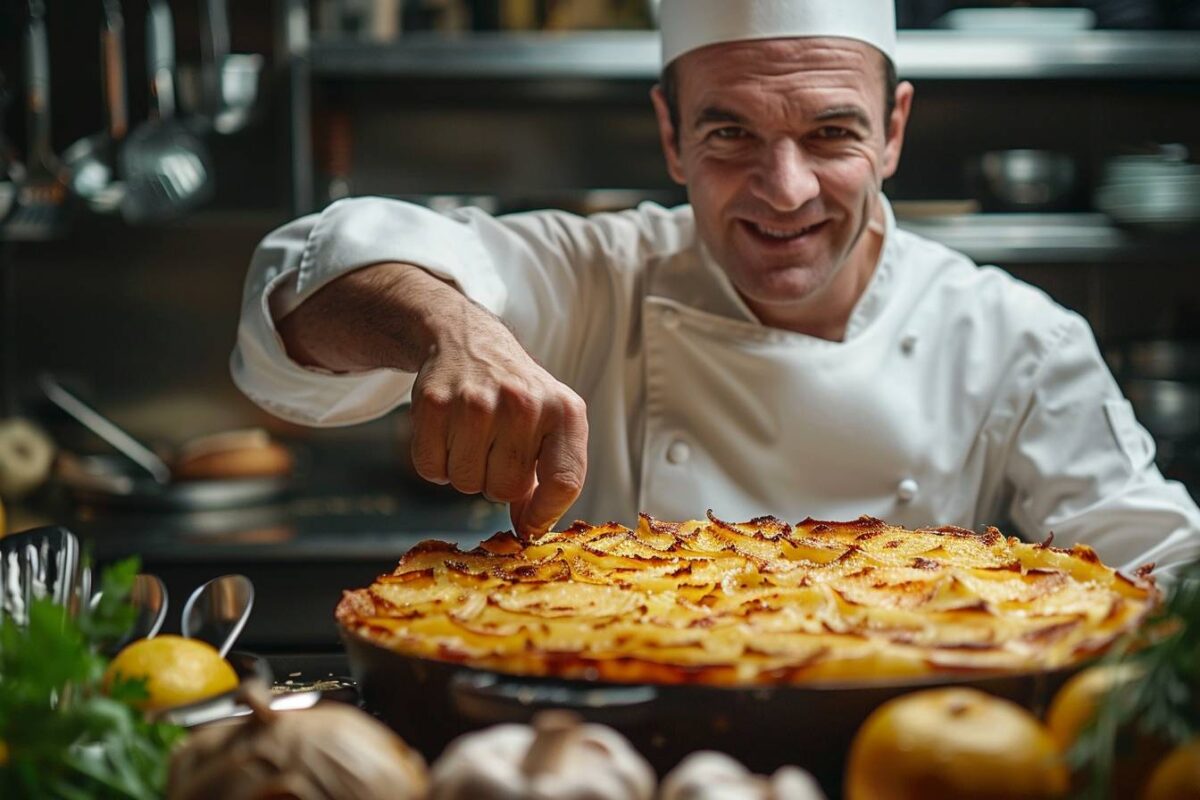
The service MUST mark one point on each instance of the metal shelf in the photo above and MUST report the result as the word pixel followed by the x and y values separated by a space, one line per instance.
pixel 1010 239
pixel 634 55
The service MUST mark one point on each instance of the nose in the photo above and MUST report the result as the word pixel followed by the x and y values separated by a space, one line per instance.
pixel 785 177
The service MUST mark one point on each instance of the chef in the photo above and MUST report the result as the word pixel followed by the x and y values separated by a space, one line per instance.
pixel 777 346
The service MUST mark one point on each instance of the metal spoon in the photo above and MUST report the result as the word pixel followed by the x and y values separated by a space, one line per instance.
pixel 167 169
pixel 217 611
pixel 105 428
pixel 92 162
pixel 149 598
pixel 230 79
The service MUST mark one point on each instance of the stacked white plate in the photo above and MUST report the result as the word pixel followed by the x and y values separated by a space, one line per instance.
pixel 1160 191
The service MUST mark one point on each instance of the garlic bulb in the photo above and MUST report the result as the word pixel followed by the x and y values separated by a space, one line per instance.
pixel 558 758
pixel 715 776
pixel 329 752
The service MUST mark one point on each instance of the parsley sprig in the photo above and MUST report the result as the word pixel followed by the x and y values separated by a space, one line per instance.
pixel 61 736
pixel 1163 704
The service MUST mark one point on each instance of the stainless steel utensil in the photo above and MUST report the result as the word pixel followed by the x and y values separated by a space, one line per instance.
pixel 230 79
pixel 217 611
pixel 227 707
pixel 42 196
pixel 40 563
pixel 9 169
pixel 1168 409
pixel 149 598
pixel 1025 180
pixel 92 162
pixel 106 429
pixel 167 169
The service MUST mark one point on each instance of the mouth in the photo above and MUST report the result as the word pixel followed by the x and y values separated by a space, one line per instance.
pixel 782 235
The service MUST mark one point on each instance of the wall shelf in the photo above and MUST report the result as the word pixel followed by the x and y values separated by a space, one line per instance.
pixel 634 55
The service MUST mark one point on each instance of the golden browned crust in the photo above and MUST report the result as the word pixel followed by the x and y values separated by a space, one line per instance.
pixel 756 602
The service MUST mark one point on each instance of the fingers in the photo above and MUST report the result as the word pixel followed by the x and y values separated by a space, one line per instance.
pixel 431 426
pixel 472 423
pixel 561 469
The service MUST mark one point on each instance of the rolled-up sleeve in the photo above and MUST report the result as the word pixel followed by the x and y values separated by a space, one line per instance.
pixel 554 278
pixel 1083 468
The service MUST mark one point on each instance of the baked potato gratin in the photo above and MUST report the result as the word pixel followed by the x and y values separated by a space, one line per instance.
pixel 753 602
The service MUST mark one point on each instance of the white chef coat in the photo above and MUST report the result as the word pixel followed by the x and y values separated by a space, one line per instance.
pixel 959 395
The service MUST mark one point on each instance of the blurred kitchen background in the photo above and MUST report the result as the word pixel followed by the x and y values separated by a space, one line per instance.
pixel 1056 140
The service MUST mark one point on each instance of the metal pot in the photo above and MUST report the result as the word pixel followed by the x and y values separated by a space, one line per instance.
pixel 429 703
pixel 1024 180
pixel 1168 409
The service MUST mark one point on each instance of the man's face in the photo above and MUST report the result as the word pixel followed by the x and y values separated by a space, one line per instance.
pixel 783 146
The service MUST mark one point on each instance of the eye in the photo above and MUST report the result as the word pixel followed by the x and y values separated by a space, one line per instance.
pixel 834 132
pixel 728 132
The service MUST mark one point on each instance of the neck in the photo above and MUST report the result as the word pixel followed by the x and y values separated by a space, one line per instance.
pixel 825 313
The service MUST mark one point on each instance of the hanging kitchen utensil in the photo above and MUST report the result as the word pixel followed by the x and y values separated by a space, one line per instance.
pixel 92 162
pixel 42 198
pixel 9 168
pixel 167 169
pixel 230 79
pixel 106 429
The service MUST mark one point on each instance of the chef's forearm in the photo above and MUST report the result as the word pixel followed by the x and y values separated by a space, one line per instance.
pixel 382 316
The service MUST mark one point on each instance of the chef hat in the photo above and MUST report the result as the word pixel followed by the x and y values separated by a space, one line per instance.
pixel 691 24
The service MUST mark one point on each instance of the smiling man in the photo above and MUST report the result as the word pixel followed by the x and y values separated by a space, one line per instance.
pixel 776 346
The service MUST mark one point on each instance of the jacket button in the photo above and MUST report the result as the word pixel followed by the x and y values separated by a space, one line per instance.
pixel 907 490
pixel 678 452
pixel 908 344
pixel 670 319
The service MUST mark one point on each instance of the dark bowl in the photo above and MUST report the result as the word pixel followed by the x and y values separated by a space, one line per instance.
pixel 429 703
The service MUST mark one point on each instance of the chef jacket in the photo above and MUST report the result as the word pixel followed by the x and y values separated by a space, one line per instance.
pixel 959 395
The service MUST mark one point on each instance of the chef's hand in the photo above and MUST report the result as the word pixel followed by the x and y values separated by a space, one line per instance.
pixel 486 416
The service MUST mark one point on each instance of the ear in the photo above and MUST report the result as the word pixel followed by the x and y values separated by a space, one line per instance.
pixel 667 135
pixel 896 127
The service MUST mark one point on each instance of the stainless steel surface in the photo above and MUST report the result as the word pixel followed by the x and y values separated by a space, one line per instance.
pixel 217 611
pixel 100 425
pixel 1025 180
pixel 1022 238
pixel 227 707
pixel 91 162
pixel 934 55
pixel 168 170
pixel 36 564
pixel 149 599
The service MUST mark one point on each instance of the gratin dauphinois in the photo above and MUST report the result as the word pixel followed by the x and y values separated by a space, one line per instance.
pixel 754 602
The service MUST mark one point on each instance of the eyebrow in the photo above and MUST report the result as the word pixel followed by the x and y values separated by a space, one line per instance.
pixel 717 114
pixel 853 113
pixel 712 114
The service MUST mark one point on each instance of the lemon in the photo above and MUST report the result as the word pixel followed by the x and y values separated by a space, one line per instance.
pixel 1178 776
pixel 177 670
pixel 953 743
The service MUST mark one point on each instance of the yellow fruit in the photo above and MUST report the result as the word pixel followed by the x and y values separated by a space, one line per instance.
pixel 1076 704
pixel 953 743
pixel 1073 707
pixel 1177 776
pixel 177 670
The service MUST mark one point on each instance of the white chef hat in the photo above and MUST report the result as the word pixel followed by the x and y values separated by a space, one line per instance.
pixel 691 24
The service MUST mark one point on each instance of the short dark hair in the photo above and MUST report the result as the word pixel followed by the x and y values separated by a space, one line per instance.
pixel 669 83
